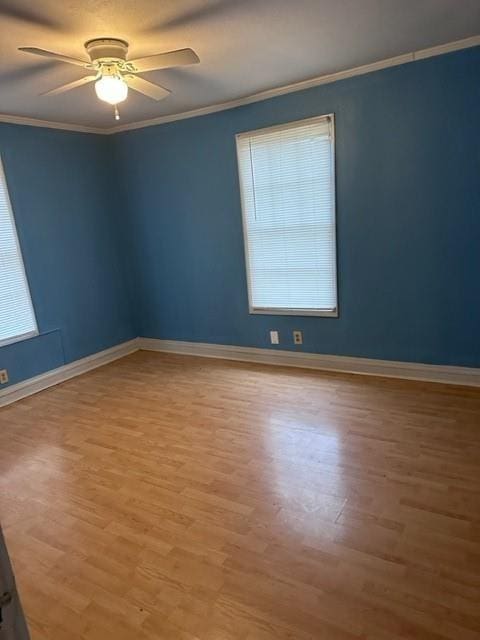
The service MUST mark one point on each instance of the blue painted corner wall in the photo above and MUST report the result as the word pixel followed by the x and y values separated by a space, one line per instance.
pixel 140 233
pixel 408 216
pixel 60 184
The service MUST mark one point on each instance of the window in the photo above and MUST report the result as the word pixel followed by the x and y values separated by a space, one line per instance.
pixel 287 180
pixel 17 319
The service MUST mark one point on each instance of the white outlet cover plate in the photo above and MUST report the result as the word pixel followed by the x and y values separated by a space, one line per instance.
pixel 274 337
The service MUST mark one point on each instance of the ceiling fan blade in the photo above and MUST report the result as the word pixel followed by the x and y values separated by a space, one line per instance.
pixel 165 60
pixel 55 56
pixel 70 85
pixel 154 91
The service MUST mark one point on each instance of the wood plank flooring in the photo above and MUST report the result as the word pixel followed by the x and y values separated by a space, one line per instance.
pixel 171 497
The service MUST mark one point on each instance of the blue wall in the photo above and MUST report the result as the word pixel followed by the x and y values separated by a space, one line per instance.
pixel 408 194
pixel 140 233
pixel 61 186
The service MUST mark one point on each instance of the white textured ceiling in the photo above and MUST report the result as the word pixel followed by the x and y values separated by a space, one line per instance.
pixel 245 46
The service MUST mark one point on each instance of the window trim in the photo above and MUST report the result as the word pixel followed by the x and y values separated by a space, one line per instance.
pixel 279 311
pixel 30 334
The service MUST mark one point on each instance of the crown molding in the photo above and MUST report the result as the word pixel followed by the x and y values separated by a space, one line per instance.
pixel 448 47
pixel 48 124
pixel 269 93
pixel 413 56
pixel 306 84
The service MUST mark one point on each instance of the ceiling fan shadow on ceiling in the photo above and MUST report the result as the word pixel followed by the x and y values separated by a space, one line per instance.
pixel 32 16
pixel 113 74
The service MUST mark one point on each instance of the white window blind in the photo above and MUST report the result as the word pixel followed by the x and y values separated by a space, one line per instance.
pixel 288 200
pixel 17 319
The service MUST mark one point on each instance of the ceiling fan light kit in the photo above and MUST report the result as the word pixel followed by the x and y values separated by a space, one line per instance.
pixel 114 74
pixel 111 88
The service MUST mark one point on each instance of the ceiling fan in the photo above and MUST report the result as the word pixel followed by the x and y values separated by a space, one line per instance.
pixel 113 74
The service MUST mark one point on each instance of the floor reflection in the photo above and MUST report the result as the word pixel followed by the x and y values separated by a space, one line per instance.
pixel 305 472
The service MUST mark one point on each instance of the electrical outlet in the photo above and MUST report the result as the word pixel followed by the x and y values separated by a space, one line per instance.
pixel 297 337
pixel 3 376
pixel 274 339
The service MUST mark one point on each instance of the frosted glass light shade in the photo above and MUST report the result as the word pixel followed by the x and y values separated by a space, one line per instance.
pixel 111 89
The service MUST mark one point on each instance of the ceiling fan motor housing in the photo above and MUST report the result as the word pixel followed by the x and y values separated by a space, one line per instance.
pixel 107 50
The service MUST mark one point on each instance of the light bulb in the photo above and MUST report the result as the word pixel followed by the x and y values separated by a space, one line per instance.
pixel 111 89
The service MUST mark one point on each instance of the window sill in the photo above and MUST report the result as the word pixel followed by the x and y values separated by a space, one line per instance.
pixel 325 313
pixel 24 336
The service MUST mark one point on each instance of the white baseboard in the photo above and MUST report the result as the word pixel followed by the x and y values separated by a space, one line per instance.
pixel 344 364
pixel 365 366
pixel 33 385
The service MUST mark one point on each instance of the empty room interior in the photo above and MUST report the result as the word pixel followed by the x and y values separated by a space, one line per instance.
pixel 240 320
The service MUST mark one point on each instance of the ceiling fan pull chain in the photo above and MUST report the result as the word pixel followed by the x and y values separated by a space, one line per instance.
pixel 117 115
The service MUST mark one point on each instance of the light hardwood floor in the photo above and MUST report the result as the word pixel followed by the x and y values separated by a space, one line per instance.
pixel 171 497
